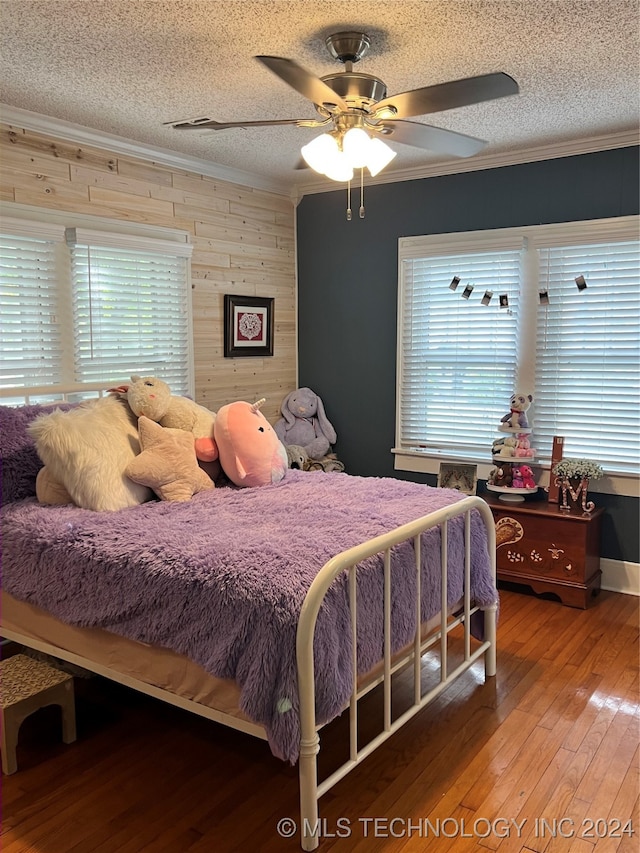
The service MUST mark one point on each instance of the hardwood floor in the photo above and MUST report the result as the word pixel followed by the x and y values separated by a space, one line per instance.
pixel 542 758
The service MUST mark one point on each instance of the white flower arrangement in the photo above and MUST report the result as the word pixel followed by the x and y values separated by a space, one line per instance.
pixel 581 468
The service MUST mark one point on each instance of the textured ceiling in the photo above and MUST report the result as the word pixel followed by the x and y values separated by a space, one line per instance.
pixel 126 66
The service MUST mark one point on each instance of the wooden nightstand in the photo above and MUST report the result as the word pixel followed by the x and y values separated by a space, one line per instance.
pixel 549 550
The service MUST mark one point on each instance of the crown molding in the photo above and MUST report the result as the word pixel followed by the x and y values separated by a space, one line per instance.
pixel 622 139
pixel 119 145
pixel 127 147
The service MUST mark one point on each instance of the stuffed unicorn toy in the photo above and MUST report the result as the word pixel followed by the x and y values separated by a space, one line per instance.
pixel 251 454
pixel 151 397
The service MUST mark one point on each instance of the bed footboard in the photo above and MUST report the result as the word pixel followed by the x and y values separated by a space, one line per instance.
pixel 310 789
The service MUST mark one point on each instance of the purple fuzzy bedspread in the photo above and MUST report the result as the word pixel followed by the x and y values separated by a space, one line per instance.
pixel 221 579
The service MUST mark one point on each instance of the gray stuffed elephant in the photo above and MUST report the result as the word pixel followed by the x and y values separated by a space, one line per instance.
pixel 304 423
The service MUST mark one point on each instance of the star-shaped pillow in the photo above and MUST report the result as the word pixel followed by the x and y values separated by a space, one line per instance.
pixel 167 462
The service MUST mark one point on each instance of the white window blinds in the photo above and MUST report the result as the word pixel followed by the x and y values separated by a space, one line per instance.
pixel 457 356
pixel 571 338
pixel 83 309
pixel 588 352
pixel 30 340
pixel 130 311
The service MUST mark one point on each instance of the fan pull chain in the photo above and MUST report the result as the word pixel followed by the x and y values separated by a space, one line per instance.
pixel 361 193
pixel 348 201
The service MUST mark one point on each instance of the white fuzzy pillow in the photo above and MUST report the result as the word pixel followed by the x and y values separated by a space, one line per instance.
pixel 87 450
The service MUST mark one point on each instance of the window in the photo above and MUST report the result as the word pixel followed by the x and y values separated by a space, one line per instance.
pixel 527 325
pixel 82 309
pixel 588 351
pixel 455 373
pixel 30 337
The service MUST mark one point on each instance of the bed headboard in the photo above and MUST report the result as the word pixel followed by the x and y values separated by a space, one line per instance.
pixel 46 395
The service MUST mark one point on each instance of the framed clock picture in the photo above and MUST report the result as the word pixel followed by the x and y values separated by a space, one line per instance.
pixel 453 475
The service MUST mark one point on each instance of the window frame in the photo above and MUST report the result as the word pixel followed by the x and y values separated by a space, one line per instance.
pixel 60 226
pixel 532 238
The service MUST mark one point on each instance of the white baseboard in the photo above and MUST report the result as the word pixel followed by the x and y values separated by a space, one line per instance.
pixel 620 576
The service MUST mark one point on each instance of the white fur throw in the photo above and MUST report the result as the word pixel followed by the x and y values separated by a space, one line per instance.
pixel 87 450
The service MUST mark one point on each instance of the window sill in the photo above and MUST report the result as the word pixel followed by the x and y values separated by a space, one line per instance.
pixel 428 462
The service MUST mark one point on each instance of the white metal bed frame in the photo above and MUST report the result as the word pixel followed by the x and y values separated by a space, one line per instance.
pixel 310 789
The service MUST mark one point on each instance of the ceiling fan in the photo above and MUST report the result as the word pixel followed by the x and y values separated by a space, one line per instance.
pixel 350 100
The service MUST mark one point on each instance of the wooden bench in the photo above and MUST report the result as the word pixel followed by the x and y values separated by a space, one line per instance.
pixel 26 685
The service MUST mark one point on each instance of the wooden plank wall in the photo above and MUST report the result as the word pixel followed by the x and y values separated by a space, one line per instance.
pixel 243 242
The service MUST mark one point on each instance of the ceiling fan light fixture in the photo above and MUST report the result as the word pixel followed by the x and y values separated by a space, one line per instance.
pixel 324 156
pixel 319 151
pixel 360 112
pixel 339 169
pixel 379 156
pixel 355 145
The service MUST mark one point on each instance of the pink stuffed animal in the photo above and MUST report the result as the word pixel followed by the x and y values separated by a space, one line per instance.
pixel 523 447
pixel 523 478
pixel 527 477
pixel 251 454
pixel 518 481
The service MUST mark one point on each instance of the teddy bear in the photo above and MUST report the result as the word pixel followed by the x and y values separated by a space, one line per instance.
pixel 297 456
pixel 501 476
pixel 516 417
pixel 305 423
pixel 151 397
pixel 505 447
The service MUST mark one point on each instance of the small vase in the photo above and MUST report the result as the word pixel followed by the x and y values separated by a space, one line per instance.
pixel 573 493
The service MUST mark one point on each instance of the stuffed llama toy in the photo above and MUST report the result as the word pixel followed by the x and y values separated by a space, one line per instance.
pixel 304 423
pixel 151 397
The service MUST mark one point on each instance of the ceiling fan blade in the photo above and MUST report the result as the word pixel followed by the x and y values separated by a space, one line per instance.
pixel 211 124
pixel 303 81
pixel 448 96
pixel 432 138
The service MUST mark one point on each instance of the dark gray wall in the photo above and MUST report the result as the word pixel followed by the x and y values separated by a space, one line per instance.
pixel 348 287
